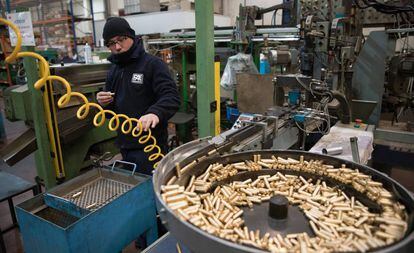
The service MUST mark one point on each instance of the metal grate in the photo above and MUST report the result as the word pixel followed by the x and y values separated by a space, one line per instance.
pixel 97 193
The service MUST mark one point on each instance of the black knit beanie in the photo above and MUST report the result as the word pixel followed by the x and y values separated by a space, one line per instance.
pixel 116 26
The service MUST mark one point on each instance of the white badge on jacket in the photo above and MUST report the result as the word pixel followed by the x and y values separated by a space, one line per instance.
pixel 137 78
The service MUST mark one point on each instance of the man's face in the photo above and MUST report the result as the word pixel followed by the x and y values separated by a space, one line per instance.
pixel 120 44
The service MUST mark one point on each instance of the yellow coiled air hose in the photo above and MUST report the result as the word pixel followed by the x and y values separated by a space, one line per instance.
pixel 131 126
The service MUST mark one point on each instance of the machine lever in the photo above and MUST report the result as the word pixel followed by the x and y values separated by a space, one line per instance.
pixel 354 149
pixel 124 162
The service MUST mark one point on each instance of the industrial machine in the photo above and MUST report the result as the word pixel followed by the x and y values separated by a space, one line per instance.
pixel 101 210
pixel 196 157
pixel 320 57
pixel 79 141
pixel 315 70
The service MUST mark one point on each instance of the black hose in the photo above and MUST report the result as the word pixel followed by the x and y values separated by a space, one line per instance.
pixel 346 109
pixel 285 6
pixel 385 8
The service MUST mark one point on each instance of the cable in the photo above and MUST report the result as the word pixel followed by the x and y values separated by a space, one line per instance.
pixel 312 132
pixel 167 48
pixel 302 84
pixel 131 126
pixel 273 20
pixel 310 89
pixel 384 8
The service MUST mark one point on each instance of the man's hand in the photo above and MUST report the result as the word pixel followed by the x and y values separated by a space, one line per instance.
pixel 104 97
pixel 149 120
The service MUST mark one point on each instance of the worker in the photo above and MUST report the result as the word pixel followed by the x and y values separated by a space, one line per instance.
pixel 138 85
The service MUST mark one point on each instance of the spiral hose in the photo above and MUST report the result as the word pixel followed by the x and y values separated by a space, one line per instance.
pixel 130 125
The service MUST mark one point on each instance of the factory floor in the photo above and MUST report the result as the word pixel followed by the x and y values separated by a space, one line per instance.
pixel 24 169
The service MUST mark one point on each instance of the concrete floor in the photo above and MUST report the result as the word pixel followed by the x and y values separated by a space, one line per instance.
pixel 24 169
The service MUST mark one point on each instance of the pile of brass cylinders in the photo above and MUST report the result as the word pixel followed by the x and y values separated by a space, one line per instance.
pixel 340 222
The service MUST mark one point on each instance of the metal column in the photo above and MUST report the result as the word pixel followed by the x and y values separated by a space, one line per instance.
pixel 206 105
pixel 42 27
pixel 72 14
pixel 44 164
pixel 93 22
pixel 185 80
pixel 183 129
pixel 8 6
pixel 3 136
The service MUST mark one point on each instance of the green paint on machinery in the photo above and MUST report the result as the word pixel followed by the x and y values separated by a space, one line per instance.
pixel 80 141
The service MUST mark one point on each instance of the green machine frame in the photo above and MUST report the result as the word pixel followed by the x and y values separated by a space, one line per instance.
pixel 206 103
pixel 26 103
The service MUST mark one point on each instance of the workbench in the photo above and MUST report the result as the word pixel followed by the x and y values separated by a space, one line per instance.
pixel 339 136
pixel 12 186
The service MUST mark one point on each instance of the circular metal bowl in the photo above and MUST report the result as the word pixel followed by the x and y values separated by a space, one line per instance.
pixel 198 240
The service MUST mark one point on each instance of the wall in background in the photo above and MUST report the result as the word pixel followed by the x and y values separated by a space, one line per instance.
pixel 160 22
pixel 229 8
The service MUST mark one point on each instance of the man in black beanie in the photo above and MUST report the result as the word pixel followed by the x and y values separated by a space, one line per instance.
pixel 138 85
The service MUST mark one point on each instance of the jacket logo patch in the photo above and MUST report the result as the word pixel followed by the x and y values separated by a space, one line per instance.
pixel 137 78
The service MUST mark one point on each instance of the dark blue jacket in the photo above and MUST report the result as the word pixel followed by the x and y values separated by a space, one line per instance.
pixel 142 84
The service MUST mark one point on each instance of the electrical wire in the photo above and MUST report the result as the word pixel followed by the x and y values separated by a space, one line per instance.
pixel 310 88
pixel 302 84
pixel 273 20
pixel 314 132
pixel 384 8
pixel 156 51
pixel 323 112
pixel 322 107
pixel 130 125
pixel 409 93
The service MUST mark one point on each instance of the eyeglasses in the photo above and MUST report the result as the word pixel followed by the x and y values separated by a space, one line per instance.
pixel 113 42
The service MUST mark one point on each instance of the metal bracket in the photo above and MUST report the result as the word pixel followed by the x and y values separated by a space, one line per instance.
pixel 261 124
pixel 107 156
pixel 119 161
pixel 213 106
pixel 354 149
pixel 276 126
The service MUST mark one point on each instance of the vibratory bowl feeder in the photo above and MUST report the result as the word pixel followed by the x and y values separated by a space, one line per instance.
pixel 280 201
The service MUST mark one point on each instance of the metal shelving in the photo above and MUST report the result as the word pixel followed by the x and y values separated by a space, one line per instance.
pixel 59 20
pixel 6 70
pixel 44 20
